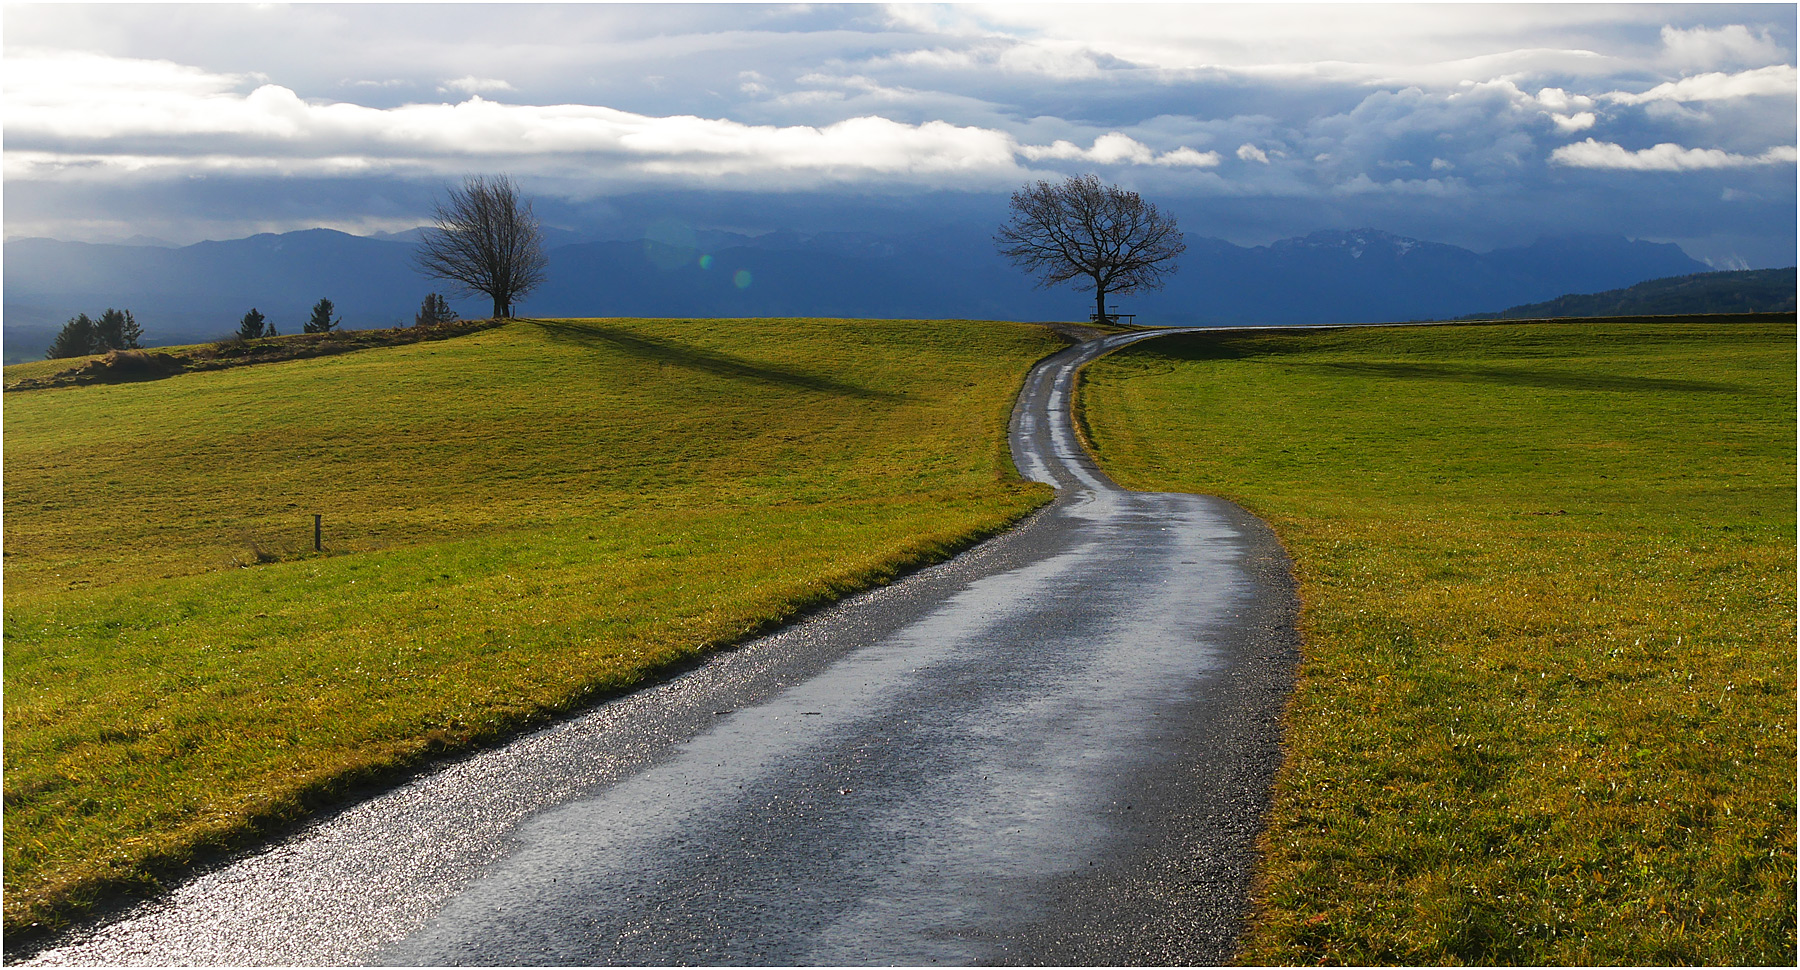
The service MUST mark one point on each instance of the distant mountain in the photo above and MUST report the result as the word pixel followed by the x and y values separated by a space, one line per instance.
pixel 199 292
pixel 1739 291
pixel 1368 275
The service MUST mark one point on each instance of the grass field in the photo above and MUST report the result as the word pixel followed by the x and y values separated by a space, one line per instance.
pixel 515 522
pixel 1546 711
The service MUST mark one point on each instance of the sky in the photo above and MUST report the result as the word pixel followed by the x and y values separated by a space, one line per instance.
pixel 1473 124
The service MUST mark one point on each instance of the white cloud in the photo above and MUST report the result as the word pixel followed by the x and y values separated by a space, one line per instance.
pixel 1666 157
pixel 1251 153
pixel 1115 148
pixel 1556 99
pixel 148 117
pixel 1712 47
pixel 1570 124
pixel 752 83
pixel 476 85
pixel 1428 44
pixel 1188 157
pixel 1776 79
pixel 1112 148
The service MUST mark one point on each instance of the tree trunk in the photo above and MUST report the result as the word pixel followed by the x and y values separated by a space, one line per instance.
pixel 501 310
pixel 1100 306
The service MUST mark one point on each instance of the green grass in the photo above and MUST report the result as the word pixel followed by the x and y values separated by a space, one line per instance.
pixel 516 522
pixel 44 368
pixel 1546 709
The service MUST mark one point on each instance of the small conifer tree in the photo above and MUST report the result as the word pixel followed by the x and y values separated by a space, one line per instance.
pixel 253 326
pixel 321 321
pixel 116 330
pixel 133 333
pixel 433 311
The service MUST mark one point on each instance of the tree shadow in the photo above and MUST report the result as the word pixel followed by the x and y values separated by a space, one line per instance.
pixel 1235 345
pixel 1522 377
pixel 597 336
pixel 1240 346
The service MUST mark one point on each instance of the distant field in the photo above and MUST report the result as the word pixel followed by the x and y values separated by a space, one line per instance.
pixel 1546 713
pixel 515 522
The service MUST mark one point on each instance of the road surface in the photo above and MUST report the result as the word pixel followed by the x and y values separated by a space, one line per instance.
pixel 1053 749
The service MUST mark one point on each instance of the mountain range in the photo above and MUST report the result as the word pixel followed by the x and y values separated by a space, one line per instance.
pixel 1736 291
pixel 187 294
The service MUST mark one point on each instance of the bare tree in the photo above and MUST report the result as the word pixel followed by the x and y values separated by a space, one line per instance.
pixel 1100 237
pixel 486 241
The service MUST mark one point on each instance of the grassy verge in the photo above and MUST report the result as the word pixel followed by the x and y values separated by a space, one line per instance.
pixel 1546 713
pixel 515 523
pixel 122 366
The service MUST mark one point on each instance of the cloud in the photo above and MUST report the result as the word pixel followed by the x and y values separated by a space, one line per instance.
pixel 476 85
pixel 1426 44
pixel 1362 184
pixel 1356 108
pixel 1570 124
pixel 1188 157
pixel 1715 46
pixel 1776 79
pixel 144 117
pixel 1666 157
pixel 1115 148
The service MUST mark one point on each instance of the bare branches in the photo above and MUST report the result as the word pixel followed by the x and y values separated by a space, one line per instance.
pixel 1102 238
pixel 486 241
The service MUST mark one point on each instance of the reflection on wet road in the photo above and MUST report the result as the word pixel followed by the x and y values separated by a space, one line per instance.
pixel 1053 749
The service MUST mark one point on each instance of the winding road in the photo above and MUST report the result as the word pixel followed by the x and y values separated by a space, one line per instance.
pixel 1054 748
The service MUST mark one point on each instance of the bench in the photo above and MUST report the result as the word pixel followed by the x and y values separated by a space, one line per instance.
pixel 1113 318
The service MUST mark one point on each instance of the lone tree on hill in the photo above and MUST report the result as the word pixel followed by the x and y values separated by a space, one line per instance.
pixel 321 321
pixel 486 241
pixel 1101 237
pixel 433 311
pixel 253 326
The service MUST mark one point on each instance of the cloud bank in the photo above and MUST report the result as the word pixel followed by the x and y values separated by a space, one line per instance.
pixel 1497 123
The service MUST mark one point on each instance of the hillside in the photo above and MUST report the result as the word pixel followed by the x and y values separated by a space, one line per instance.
pixel 1743 291
pixel 1546 713
pixel 196 293
pixel 515 522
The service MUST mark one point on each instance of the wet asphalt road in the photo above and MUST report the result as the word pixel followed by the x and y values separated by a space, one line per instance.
pixel 1053 749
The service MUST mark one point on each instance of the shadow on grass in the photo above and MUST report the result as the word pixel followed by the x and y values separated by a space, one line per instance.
pixel 1524 377
pixel 1207 347
pixel 596 336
